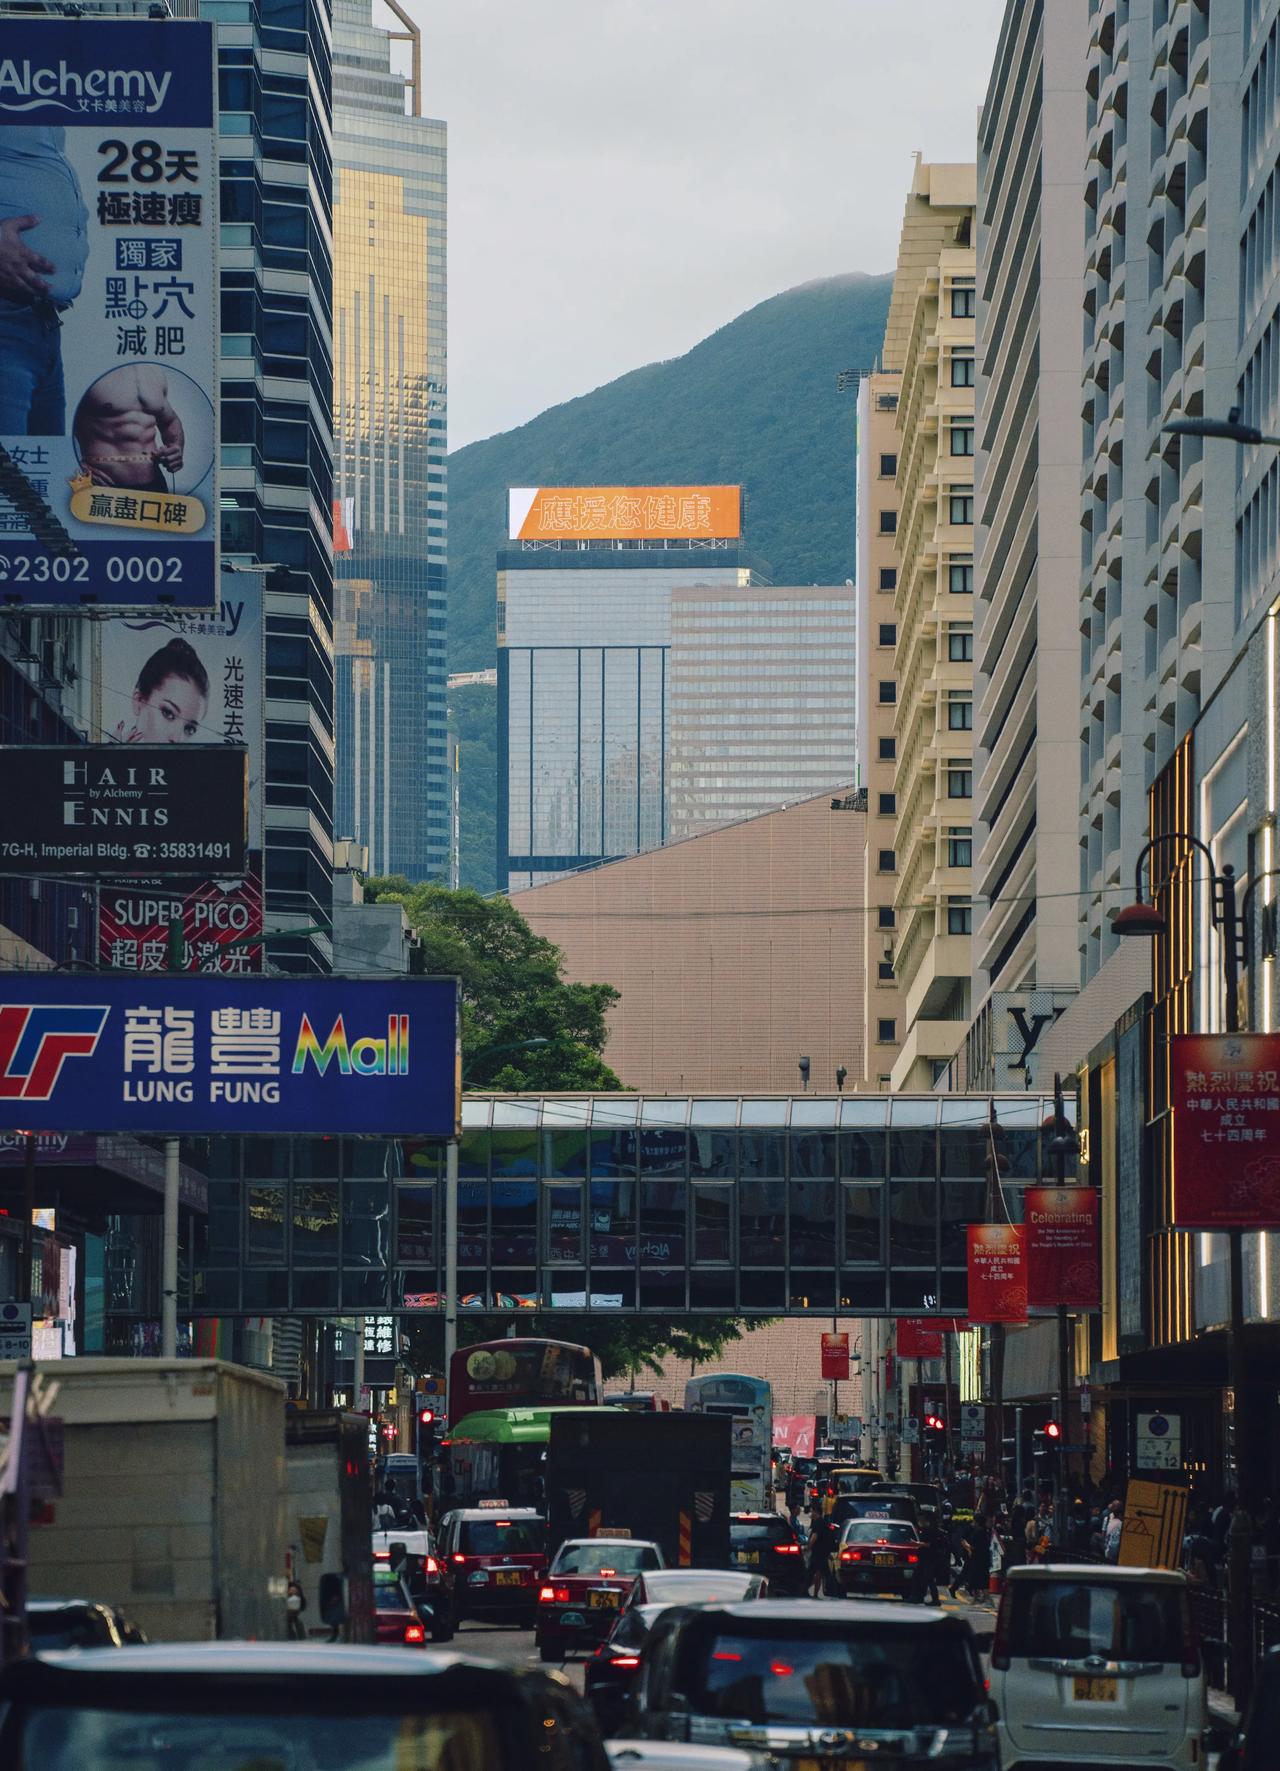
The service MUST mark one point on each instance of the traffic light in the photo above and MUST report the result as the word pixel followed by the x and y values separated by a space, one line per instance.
pixel 426 1418
pixel 934 1423
pixel 1053 1432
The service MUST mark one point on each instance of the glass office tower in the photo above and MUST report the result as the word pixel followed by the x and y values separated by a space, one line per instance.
pixel 393 786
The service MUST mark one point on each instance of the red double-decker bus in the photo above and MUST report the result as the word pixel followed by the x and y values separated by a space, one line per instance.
pixel 522 1373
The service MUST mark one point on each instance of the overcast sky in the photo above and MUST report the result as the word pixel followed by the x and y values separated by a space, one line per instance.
pixel 627 175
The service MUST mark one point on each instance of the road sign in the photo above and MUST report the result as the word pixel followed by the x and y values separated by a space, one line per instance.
pixel 15 1331
pixel 911 1431
pixel 1155 1516
pixel 973 1423
pixel 1159 1442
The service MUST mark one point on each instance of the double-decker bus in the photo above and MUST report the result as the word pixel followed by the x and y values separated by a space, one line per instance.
pixel 522 1373
pixel 748 1401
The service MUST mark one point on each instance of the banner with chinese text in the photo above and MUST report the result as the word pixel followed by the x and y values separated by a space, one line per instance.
pixel 1225 1090
pixel 221 926
pixel 835 1357
pixel 1063 1259
pixel 108 312
pixel 997 1273
pixel 919 1337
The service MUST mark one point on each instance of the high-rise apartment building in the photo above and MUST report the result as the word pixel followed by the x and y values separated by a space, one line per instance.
pixel 275 387
pixel 761 709
pixel 394 784
pixel 929 343
pixel 877 470
pixel 1030 237
pixel 584 631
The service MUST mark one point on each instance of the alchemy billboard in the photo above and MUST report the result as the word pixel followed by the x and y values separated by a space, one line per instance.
pixel 108 312
pixel 174 1055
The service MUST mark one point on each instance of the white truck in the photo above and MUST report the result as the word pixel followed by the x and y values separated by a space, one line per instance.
pixel 173 1495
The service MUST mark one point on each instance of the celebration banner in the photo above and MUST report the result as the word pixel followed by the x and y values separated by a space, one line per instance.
pixel 1063 1263
pixel 1226 1130
pixel 997 1273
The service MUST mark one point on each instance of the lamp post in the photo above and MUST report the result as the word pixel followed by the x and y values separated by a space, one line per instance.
pixel 1144 919
pixel 1064 1146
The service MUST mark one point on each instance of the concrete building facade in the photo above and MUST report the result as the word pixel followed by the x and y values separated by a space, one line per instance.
pixel 760 708
pixel 929 341
pixel 736 953
pixel 877 495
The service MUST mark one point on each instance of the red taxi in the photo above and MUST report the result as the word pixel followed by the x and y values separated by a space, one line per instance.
pixel 586 1587
pixel 497 1556
pixel 394 1616
pixel 880 1556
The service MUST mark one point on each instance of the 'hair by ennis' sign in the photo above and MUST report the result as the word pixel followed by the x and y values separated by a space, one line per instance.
pixel 106 810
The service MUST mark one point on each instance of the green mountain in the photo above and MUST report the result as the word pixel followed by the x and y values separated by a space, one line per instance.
pixel 754 404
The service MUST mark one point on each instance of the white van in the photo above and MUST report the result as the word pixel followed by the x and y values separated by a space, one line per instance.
pixel 1097 1664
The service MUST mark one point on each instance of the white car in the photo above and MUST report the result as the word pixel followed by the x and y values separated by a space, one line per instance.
pixel 1098 1665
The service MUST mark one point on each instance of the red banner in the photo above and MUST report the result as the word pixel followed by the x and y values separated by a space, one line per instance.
pixel 835 1356
pixel 1063 1264
pixel 1226 1130
pixel 920 1337
pixel 997 1273
pixel 795 1430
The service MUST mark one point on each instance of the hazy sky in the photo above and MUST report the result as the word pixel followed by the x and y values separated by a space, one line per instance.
pixel 627 175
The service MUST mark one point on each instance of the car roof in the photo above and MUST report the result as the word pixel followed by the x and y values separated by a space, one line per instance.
pixel 491 1513
pixel 320 1660
pixel 45 1603
pixel 644 1543
pixel 661 1578
pixel 1095 1571
pixel 871 1614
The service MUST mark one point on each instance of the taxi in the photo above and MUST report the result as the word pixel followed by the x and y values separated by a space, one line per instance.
pixel 412 1555
pixel 395 1618
pixel 840 1479
pixel 497 1556
pixel 586 1587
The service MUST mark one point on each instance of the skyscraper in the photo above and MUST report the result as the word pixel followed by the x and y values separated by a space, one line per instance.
pixel 393 781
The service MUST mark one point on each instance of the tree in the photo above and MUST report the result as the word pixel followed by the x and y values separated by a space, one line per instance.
pixel 513 991
pixel 625 1344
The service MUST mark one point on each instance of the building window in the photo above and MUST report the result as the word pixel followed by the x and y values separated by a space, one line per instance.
pixel 885 917
pixel 888 633
pixel 888 861
pixel 960 846
pixel 886 1031
pixel 959 783
pixel 964 301
pixel 887 804
pixel 888 578
pixel 962 368
pixel 887 750
pixel 888 693
pixel 960 577
pixel 962 439
pixel 884 971
pixel 888 466
pixel 888 522
pixel 960 645
pixel 959 916
pixel 961 502
pixel 959 713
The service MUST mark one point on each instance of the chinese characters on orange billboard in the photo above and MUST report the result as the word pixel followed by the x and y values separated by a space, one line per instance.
pixel 1062 1248
pixel 997 1273
pixel 1226 1130
pixel 624 513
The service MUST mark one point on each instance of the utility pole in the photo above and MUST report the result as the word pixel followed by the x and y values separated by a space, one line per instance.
pixel 1062 1144
pixel 176 957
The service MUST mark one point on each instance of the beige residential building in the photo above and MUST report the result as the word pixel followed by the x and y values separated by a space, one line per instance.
pixel 736 953
pixel 877 712
pixel 929 343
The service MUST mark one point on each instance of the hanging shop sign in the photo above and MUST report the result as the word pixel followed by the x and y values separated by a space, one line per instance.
pixel 997 1273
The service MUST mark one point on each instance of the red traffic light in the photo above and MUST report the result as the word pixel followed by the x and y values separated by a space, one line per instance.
pixel 1053 1430
pixel 426 1416
pixel 935 1423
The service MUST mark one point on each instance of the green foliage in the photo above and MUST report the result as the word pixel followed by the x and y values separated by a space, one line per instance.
pixel 626 1345
pixel 513 991
pixel 754 404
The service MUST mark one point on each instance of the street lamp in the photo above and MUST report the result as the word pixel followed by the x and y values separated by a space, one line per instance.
pixel 517 1045
pixel 1229 429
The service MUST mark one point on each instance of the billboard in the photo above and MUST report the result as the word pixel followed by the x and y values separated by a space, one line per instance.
pixel 109 322
pixel 1225 1089
pixel 177 1055
pixel 221 926
pixel 108 809
pixel 1063 1256
pixel 168 678
pixel 919 1337
pixel 997 1273
pixel 624 513
pixel 835 1357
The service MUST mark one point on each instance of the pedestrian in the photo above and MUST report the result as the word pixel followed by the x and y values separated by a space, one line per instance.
pixel 1112 1527
pixel 295 1604
pixel 977 1569
pixel 937 1561
pixel 822 1536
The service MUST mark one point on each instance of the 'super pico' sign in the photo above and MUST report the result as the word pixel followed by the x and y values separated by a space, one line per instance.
pixel 174 1055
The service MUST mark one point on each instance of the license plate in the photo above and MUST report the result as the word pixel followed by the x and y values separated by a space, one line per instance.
pixel 509 1577
pixel 602 1601
pixel 1094 1690
pixel 748 1558
pixel 884 1561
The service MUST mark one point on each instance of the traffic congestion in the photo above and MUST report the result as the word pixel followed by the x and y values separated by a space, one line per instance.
pixel 562 1581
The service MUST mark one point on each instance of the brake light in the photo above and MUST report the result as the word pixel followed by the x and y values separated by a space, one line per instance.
pixel 780 1669
pixel 458 1558
pixel 606 1572
pixel 553 1596
pixel 852 1555
pixel 626 1660
pixel 721 1654
pixel 912 1557
pixel 786 1549
pixel 382 1555
pixel 413 1632
pixel 431 1565
pixel 1000 1638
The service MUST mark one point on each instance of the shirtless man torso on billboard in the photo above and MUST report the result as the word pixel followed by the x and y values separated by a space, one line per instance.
pixel 126 429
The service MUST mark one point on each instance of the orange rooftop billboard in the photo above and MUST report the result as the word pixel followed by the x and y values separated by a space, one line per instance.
pixel 624 513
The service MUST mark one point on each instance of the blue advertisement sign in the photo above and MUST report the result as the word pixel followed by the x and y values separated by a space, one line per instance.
pixel 189 1055
pixel 108 313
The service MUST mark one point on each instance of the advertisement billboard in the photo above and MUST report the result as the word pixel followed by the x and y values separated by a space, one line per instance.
pixel 919 1337
pixel 221 926
pixel 170 678
pixel 1063 1254
pixel 1226 1130
pixel 624 513
pixel 177 1055
pixel 109 322
pixel 108 810
pixel 997 1273
pixel 835 1357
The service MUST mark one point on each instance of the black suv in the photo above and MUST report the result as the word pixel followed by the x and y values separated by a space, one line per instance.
pixel 811 1682
pixel 764 1543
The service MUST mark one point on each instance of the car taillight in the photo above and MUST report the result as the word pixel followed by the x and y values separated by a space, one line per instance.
pixel 786 1549
pixel 431 1565
pixel 625 1660
pixel 1000 1638
pixel 458 1559
pixel 553 1596
pixel 414 1632
pixel 851 1555
pixel 912 1557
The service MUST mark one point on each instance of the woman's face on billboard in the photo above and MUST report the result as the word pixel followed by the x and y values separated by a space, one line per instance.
pixel 171 714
